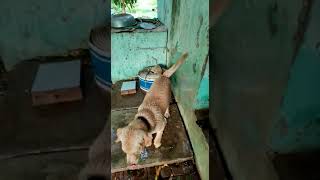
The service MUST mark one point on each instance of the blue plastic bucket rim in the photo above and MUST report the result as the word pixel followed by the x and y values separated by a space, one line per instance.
pixel 145 85
pixel 146 80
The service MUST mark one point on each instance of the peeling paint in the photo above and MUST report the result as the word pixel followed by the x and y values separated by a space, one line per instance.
pixel 131 52
pixel 301 102
pixel 198 33
pixel 303 21
pixel 188 25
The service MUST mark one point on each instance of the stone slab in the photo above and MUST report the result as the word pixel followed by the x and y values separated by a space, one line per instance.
pixel 175 146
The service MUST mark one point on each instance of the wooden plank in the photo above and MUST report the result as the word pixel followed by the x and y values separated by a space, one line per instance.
pixel 128 92
pixel 57 82
pixel 175 146
pixel 57 75
pixel 119 102
pixel 56 96
pixel 128 88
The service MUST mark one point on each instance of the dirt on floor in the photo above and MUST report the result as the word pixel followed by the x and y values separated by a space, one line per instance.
pixel 178 171
pixel 25 129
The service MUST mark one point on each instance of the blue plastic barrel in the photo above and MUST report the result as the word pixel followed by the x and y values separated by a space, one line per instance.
pixel 100 58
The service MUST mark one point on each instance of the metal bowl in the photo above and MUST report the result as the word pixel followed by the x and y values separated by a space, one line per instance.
pixel 122 20
pixel 148 26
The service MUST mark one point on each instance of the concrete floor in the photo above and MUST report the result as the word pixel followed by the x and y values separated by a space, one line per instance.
pixel 175 146
pixel 25 128
pixel 56 166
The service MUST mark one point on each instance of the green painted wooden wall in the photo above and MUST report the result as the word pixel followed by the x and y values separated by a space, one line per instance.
pixel 188 23
pixel 298 129
pixel 202 98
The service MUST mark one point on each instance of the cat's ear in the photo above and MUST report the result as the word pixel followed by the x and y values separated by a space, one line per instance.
pixel 119 134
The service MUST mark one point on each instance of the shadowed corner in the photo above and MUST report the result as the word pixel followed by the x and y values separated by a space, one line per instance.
pixel 96 177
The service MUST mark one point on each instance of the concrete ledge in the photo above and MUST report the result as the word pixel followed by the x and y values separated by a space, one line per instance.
pixel 198 141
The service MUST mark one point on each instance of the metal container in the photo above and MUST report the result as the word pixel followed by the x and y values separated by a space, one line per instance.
pixel 122 20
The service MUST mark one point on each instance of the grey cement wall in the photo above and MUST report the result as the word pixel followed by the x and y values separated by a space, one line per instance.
pixel 30 28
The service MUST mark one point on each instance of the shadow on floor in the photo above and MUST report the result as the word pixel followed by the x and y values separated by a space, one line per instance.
pixel 218 166
pixel 56 166
pixel 298 166
pixel 24 128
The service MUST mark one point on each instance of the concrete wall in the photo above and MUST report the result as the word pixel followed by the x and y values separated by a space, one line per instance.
pixel 256 110
pixel 31 28
pixel 188 23
pixel 133 51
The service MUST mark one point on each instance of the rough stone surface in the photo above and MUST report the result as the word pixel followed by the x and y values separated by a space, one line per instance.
pixel 133 51
pixel 25 128
pixel 175 143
